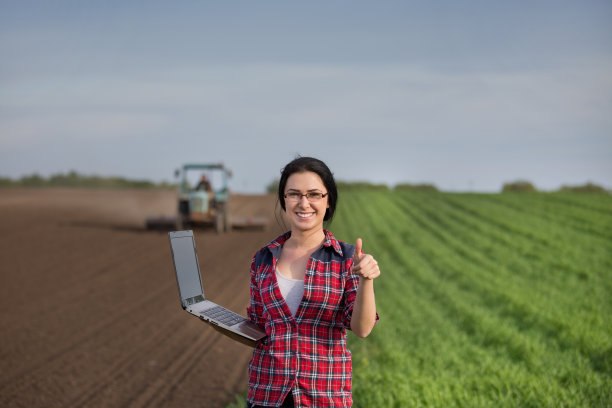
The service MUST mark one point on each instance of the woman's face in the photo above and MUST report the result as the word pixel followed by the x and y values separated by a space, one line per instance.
pixel 303 214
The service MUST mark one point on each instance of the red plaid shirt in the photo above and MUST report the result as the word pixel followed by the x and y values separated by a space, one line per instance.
pixel 306 353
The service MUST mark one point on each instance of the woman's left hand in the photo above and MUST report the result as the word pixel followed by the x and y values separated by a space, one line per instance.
pixel 364 265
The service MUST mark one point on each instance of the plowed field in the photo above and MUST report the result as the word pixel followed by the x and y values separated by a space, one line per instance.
pixel 90 314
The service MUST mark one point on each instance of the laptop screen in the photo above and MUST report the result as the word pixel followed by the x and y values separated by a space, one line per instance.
pixel 186 265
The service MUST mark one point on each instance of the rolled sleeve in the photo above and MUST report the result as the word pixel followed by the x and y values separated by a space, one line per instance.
pixel 255 310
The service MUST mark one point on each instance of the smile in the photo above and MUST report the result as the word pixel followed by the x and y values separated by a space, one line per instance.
pixel 305 215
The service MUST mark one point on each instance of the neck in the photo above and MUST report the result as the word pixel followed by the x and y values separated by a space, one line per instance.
pixel 306 239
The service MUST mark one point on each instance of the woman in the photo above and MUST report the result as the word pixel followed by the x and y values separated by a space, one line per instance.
pixel 307 288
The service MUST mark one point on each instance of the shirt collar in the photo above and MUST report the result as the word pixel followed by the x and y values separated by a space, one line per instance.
pixel 330 241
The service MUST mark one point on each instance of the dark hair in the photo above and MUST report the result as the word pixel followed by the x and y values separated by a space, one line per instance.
pixel 303 164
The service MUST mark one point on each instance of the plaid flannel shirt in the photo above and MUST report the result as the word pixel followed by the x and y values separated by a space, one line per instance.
pixel 306 353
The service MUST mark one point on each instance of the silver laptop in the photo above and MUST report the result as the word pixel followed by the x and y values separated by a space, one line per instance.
pixel 192 296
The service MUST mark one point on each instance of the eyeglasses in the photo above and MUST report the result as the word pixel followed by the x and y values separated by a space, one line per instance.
pixel 312 196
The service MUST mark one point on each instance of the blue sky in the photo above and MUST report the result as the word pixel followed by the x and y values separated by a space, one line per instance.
pixel 465 95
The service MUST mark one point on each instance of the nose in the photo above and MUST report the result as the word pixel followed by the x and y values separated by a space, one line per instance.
pixel 304 198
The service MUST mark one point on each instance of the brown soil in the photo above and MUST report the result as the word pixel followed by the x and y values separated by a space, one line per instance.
pixel 90 309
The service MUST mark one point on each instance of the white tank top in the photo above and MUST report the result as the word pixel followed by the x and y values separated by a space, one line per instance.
pixel 292 290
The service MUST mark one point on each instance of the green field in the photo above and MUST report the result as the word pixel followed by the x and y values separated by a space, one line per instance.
pixel 486 300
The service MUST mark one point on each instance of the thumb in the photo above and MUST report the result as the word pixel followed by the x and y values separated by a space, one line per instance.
pixel 357 253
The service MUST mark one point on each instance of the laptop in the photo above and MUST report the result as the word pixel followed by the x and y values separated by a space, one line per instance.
pixel 189 281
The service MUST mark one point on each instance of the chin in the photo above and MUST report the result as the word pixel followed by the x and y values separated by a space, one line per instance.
pixel 302 226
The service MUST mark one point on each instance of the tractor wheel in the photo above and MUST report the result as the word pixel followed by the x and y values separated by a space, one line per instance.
pixel 226 222
pixel 182 222
pixel 220 222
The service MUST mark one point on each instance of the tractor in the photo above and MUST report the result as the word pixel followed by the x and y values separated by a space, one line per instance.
pixel 203 204
pixel 203 200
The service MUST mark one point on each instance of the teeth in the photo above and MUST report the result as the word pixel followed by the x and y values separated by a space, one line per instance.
pixel 304 215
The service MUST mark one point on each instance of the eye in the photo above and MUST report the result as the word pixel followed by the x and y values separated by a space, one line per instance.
pixel 314 196
pixel 293 196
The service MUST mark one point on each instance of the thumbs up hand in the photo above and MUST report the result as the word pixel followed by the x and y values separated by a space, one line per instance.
pixel 364 265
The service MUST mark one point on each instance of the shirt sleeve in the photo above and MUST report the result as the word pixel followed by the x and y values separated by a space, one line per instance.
pixel 256 310
pixel 350 293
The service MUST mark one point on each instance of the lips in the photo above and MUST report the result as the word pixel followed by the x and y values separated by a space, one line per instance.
pixel 304 216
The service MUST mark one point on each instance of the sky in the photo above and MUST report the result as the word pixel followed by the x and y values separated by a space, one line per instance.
pixel 465 95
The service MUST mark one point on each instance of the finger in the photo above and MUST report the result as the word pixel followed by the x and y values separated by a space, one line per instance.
pixel 368 267
pixel 362 268
pixel 357 253
pixel 371 273
pixel 366 261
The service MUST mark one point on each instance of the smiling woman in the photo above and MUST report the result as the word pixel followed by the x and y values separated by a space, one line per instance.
pixel 307 288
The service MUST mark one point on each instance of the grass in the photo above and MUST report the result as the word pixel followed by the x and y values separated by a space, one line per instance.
pixel 485 300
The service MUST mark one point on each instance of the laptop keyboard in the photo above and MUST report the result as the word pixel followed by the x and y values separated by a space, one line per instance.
pixel 223 315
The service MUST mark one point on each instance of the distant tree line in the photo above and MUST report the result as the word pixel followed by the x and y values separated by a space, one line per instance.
pixel 585 188
pixel 520 186
pixel 523 186
pixel 361 185
pixel 74 179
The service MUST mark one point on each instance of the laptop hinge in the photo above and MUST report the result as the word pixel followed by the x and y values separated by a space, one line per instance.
pixel 195 299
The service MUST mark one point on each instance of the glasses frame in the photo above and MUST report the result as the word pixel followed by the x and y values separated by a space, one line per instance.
pixel 323 195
